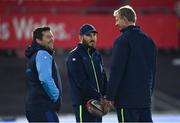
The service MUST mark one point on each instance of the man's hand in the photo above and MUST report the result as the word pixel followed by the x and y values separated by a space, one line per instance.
pixel 106 105
pixel 111 105
pixel 57 104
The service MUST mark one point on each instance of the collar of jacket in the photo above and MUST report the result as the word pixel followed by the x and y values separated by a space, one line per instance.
pixel 35 47
pixel 86 48
pixel 130 28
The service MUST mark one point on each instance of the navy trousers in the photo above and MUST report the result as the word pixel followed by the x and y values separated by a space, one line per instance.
pixel 38 115
pixel 134 115
pixel 82 115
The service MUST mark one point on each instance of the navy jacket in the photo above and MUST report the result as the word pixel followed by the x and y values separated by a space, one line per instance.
pixel 86 74
pixel 43 80
pixel 133 69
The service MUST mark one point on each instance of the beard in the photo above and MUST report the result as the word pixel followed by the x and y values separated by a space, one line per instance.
pixel 90 44
pixel 49 46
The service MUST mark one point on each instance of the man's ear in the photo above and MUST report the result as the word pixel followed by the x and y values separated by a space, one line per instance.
pixel 125 20
pixel 38 41
pixel 80 37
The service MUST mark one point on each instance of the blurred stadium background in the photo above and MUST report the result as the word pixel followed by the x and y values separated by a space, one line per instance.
pixel 158 18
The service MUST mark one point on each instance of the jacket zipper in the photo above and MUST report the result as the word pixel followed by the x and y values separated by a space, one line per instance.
pixel 94 70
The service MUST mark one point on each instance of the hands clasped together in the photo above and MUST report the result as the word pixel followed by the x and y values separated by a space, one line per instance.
pixel 99 108
pixel 106 105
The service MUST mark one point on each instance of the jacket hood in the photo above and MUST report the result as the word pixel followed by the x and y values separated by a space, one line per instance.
pixel 35 47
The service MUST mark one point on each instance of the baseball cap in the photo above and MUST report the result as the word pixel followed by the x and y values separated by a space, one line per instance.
pixel 86 29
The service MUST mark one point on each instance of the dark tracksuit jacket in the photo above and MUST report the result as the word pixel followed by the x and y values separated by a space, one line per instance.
pixel 43 83
pixel 86 74
pixel 133 69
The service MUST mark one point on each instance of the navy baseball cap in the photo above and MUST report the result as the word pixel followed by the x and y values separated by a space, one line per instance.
pixel 87 29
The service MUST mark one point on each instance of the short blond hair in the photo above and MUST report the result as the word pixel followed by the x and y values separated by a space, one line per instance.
pixel 126 11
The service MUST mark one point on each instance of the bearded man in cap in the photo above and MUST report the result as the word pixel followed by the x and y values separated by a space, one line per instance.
pixel 86 74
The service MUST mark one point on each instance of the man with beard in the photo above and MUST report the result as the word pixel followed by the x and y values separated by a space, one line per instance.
pixel 86 74
pixel 43 98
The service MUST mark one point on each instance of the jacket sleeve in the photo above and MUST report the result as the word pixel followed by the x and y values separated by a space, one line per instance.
pixel 120 54
pixel 154 69
pixel 105 82
pixel 104 92
pixel 44 68
pixel 79 77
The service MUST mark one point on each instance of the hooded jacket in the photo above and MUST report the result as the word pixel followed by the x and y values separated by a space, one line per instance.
pixel 43 80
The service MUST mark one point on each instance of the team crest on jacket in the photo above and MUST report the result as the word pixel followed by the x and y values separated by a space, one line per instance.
pixel 73 59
